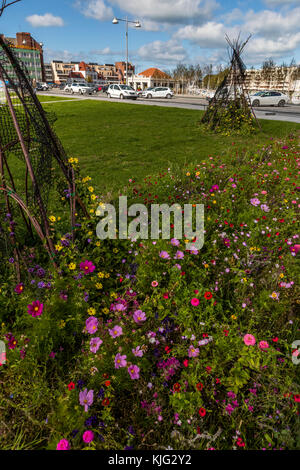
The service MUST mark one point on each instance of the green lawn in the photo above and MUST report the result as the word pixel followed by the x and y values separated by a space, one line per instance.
pixel 115 142
pixel 118 141
pixel 43 98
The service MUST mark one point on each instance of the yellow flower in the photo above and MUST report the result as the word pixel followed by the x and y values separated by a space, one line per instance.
pixel 114 295
pixel 72 266
pixel 58 247
pixel 71 160
pixel 92 211
pixel 107 275
pixel 215 202
pixel 105 310
pixel 188 174
pixel 61 324
pixel 206 266
pixel 115 250
pixel 197 173
pixel 98 243
pixel 52 218
pixel 91 311
pixel 93 197
pixel 91 189
pixel 100 275
pixel 234 317
pixel 281 275
pixel 99 285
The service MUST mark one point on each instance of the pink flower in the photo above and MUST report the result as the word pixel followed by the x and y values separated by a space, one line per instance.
pixel 35 309
pixel 95 344
pixel 164 255
pixel 193 352
pixel 263 345
pixel 195 302
pixel 116 331
pixel 138 352
pixel 154 283
pixel 87 267
pixel 179 255
pixel 120 361
pixel 88 436
pixel 295 249
pixel 249 340
pixel 91 325
pixel 255 201
pixel 139 316
pixel 134 372
pixel 175 242
pixel 63 444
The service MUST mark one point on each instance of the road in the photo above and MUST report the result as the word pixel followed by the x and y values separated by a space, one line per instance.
pixel 289 113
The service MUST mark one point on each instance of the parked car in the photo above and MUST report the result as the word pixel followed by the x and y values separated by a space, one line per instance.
pixel 81 88
pixel 121 91
pixel 42 86
pixel 158 92
pixel 269 98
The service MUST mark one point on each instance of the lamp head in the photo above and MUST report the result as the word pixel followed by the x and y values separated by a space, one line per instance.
pixel 115 21
pixel 138 24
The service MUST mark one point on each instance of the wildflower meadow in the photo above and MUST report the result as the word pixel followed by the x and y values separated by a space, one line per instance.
pixel 143 344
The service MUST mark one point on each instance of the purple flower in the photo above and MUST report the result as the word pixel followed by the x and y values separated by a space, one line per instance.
pixel 265 208
pixel 86 398
pixel 116 331
pixel 95 344
pixel 255 201
pixel 91 325
pixel 120 361
pixel 179 255
pixel 139 316
pixel 175 242
pixel 138 352
pixel 134 372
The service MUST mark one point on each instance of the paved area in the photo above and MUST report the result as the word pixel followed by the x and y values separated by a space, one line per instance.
pixel 289 113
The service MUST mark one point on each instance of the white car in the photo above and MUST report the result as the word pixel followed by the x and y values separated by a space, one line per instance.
pixel 269 98
pixel 78 88
pixel 158 92
pixel 121 91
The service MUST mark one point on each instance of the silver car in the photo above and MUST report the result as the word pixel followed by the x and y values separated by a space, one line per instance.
pixel 269 98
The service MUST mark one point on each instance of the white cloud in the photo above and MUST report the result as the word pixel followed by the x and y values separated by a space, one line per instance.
pixel 45 20
pixel 271 23
pixel 96 9
pixel 209 36
pixel 168 52
pixel 276 3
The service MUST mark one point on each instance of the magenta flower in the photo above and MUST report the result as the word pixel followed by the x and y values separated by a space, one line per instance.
pixel 215 187
pixel 249 340
pixel 86 398
pixel 35 309
pixel 63 444
pixel 134 372
pixel 116 331
pixel 294 249
pixel 138 352
pixel 87 267
pixel 120 361
pixel 88 436
pixel 195 302
pixel 255 201
pixel 95 344
pixel 193 352
pixel 91 325
pixel 19 288
pixel 164 255
pixel 139 316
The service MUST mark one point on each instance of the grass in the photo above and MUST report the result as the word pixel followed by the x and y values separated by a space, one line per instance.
pixel 115 142
pixel 118 141
pixel 45 98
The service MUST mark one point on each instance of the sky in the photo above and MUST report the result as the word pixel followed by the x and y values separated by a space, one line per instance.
pixel 172 32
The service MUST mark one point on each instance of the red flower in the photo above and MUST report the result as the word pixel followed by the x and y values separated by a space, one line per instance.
pixel 226 332
pixel 297 398
pixel 275 339
pixel 71 386
pixel 185 363
pixel 168 349
pixel 218 381
pixel 208 369
pixel 202 412
pixel 105 375
pixel 240 442
pixel 177 387
pixel 199 386
pixel 208 295
pixel 105 402
pixel 107 383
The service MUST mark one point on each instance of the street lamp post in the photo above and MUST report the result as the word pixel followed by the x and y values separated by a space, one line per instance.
pixel 137 25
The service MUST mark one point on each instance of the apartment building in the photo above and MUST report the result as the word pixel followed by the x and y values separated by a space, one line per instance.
pixel 30 52
pixel 284 79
